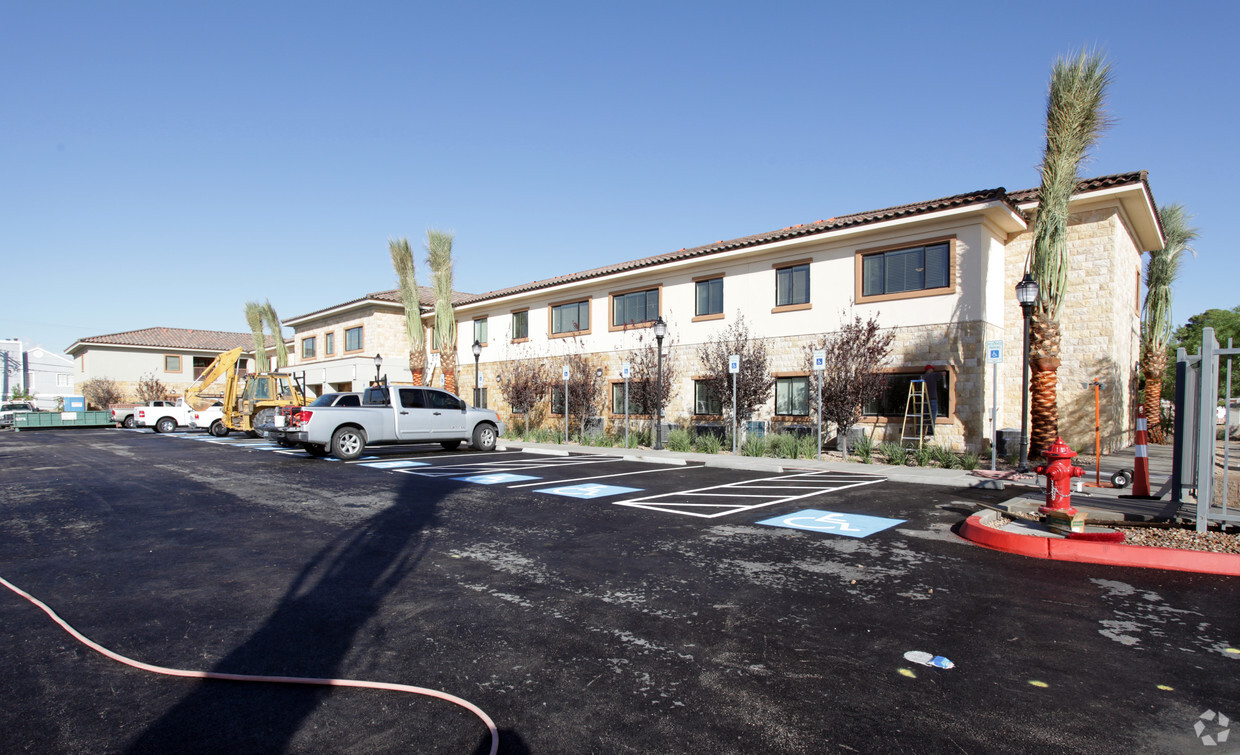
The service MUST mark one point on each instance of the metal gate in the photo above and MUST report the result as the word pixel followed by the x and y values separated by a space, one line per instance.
pixel 1197 381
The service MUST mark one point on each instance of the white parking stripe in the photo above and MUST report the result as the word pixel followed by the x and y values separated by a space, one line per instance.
pixel 667 501
pixel 595 477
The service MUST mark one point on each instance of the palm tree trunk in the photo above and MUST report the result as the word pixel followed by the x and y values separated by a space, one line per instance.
pixel 1153 365
pixel 447 359
pixel 1044 350
pixel 417 367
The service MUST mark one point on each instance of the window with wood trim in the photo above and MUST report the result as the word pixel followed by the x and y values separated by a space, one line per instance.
pixel 907 271
pixel 353 340
pixel 569 318
pixel 308 347
pixel 329 344
pixel 617 401
pixel 634 308
pixel 792 285
pixel 172 363
pixel 704 401
pixel 521 325
pixel 894 400
pixel 792 396
pixel 480 330
pixel 708 297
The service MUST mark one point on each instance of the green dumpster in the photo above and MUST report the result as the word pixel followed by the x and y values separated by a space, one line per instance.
pixel 44 420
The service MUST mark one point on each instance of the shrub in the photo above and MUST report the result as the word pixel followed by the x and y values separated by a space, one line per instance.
pixel 754 445
pixel 707 444
pixel 894 453
pixel 863 447
pixel 943 456
pixel 680 440
pixel 923 456
pixel 968 461
pixel 807 446
pixel 782 446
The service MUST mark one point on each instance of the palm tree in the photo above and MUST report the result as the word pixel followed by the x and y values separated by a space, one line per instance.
pixel 439 258
pixel 273 321
pixel 1074 121
pixel 1161 271
pixel 402 260
pixel 254 316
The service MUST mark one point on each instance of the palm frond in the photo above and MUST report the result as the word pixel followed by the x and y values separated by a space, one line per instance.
pixel 273 322
pixel 406 276
pixel 1161 270
pixel 439 259
pixel 254 318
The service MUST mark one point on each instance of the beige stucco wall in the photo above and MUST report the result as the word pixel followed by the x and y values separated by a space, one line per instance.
pixel 128 366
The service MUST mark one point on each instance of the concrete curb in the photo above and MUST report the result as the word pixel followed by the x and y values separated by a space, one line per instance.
pixel 1058 548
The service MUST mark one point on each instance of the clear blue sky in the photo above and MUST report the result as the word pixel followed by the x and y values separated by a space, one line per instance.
pixel 237 150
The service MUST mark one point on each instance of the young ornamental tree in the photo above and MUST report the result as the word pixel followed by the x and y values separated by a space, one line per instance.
pixel 406 276
pixel 754 382
pixel 644 383
pixel 585 384
pixel 851 377
pixel 151 389
pixel 102 392
pixel 524 383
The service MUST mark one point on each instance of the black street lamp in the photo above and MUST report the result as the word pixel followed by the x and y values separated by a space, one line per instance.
pixel 378 364
pixel 1027 295
pixel 477 348
pixel 660 330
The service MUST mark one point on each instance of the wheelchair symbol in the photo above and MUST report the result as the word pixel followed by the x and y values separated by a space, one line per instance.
pixel 829 523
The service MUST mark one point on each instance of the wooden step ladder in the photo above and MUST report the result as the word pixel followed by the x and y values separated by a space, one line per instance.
pixel 916 408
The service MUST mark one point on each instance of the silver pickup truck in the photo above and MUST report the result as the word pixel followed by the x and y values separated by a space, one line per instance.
pixel 389 415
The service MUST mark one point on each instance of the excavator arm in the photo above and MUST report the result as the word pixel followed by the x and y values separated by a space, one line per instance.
pixel 219 367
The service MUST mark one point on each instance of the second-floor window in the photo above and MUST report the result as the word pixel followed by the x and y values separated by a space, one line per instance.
pixel 635 307
pixel 353 339
pixel 898 271
pixel 307 347
pixel 329 344
pixel 573 317
pixel 709 297
pixel 520 325
pixel 480 330
pixel 792 285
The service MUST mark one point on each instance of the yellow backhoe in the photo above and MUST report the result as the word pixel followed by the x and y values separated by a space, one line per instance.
pixel 249 399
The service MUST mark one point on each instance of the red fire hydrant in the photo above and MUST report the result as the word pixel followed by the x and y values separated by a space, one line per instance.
pixel 1059 473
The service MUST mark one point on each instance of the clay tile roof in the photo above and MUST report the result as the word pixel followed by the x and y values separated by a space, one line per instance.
pixel 426 297
pixel 179 338
pixel 1086 184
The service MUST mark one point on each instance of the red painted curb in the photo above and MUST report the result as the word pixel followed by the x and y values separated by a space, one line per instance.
pixel 1082 551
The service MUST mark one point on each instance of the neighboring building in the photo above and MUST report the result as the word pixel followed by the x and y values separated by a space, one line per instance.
pixel 336 347
pixel 46 375
pixel 175 356
pixel 940 273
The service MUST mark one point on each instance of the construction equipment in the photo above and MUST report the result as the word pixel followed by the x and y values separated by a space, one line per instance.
pixel 916 408
pixel 249 399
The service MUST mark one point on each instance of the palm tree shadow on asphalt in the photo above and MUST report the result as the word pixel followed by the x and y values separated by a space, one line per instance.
pixel 309 634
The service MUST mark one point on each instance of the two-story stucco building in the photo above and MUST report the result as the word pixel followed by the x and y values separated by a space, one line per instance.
pixel 941 274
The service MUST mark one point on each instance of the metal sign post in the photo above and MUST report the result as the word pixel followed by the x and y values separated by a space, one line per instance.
pixel 994 355
pixel 820 364
pixel 625 371
pixel 734 367
pixel 566 403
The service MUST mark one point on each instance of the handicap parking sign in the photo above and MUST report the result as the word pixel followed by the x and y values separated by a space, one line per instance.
pixel 495 479
pixel 848 525
pixel 588 491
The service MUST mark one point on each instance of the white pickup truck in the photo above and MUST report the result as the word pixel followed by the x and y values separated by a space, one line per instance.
pixel 417 415
pixel 10 410
pixel 210 419
pixel 163 416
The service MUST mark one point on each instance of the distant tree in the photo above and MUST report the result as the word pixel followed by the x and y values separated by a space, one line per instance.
pixel 410 297
pixel 439 259
pixel 21 394
pixel 524 383
pixel 644 380
pixel 254 318
pixel 851 376
pixel 754 382
pixel 102 392
pixel 151 389
pixel 1226 324
pixel 1161 270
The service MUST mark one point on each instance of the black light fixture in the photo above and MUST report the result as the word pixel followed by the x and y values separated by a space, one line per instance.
pixel 378 364
pixel 660 330
pixel 1027 295
pixel 477 349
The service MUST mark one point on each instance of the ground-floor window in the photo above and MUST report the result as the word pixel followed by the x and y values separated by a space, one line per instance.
pixel 557 399
pixel 792 396
pixel 704 401
pixel 617 401
pixel 895 397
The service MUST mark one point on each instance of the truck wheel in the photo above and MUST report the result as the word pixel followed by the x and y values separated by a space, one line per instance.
pixel 348 443
pixel 314 449
pixel 165 425
pixel 219 429
pixel 450 445
pixel 128 422
pixel 484 437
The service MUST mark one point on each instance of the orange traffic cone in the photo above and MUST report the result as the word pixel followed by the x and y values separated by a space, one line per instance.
pixel 1141 466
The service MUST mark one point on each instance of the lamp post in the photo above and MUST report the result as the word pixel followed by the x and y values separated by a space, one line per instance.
pixel 1027 295
pixel 477 349
pixel 660 330
pixel 378 364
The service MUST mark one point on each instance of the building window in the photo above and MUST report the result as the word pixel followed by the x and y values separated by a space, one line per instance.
pixel 557 399
pixel 792 285
pixel 480 398
pixel 62 380
pixel 200 366
pixel 894 400
pixel 567 319
pixel 792 396
pixel 307 347
pixel 704 401
pixel 480 330
pixel 709 297
pixel 172 363
pixel 521 325
pixel 329 344
pixel 617 401
pixel 634 308
pixel 353 339
pixel 908 270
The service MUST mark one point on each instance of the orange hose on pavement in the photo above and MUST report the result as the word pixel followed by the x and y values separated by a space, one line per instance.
pixel 254 678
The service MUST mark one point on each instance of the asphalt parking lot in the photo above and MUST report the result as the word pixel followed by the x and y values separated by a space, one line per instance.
pixel 586 604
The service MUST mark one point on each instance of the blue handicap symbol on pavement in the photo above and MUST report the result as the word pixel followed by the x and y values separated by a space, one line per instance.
pixel 398 464
pixel 495 479
pixel 588 491
pixel 848 525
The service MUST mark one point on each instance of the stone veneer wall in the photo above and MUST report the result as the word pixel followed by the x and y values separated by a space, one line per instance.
pixel 1101 327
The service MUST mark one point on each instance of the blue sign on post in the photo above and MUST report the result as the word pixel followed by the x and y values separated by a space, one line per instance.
pixel 848 525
